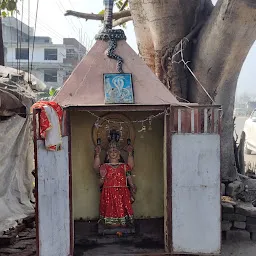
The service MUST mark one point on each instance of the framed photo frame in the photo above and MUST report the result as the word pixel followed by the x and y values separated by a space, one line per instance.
pixel 118 88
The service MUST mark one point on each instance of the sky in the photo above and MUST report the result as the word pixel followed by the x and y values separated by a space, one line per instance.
pixel 52 22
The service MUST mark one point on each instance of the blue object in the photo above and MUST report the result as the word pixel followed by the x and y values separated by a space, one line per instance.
pixel 118 89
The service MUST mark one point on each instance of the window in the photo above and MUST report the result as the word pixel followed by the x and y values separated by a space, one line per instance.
pixel 68 73
pixel 50 54
pixel 71 54
pixel 50 75
pixel 22 53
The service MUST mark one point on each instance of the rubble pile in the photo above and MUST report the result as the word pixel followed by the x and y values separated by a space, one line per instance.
pixel 238 209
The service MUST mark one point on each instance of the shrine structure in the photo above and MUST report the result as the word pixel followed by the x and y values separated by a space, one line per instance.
pixel 176 155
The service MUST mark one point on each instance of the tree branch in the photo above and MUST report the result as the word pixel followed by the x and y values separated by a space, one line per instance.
pixel 121 21
pixel 93 16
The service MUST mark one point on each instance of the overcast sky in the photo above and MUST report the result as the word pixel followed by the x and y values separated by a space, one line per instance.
pixel 52 22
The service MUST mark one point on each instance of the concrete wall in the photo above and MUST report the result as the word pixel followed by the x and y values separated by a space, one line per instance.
pixel 196 220
pixel 148 171
pixel 61 75
pixel 38 55
pixel 53 201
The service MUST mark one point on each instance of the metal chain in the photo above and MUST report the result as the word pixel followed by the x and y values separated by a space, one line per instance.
pixel 149 118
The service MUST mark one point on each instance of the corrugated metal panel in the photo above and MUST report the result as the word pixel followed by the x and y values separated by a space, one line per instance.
pixel 85 85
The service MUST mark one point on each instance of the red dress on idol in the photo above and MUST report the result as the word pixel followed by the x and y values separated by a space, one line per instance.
pixel 115 201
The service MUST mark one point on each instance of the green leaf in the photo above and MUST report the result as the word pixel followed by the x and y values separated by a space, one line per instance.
pixel 11 5
pixel 102 12
pixel 7 7
pixel 52 91
pixel 4 14
pixel 3 4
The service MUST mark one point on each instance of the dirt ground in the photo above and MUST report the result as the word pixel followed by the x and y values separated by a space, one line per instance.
pixel 239 248
pixel 26 246
pixel 228 249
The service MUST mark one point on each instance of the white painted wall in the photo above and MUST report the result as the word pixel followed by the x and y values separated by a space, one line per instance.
pixel 196 218
pixel 38 56
pixel 53 201
pixel 39 64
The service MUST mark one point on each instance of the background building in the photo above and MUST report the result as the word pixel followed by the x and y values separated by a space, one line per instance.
pixel 51 63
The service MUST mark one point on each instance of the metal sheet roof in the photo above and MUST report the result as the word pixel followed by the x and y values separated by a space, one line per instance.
pixel 85 85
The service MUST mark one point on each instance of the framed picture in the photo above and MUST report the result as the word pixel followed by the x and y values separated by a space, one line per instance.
pixel 118 88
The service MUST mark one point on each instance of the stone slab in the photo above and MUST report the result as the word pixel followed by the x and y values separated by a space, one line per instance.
pixel 9 251
pixel 239 225
pixel 238 235
pixel 253 236
pixel 29 219
pixel 246 209
pixel 7 240
pixel 226 225
pixel 223 189
pixel 251 228
pixel 233 217
pixel 234 188
pixel 251 220
pixel 227 208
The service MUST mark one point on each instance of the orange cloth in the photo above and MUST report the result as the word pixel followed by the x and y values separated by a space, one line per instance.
pixel 45 120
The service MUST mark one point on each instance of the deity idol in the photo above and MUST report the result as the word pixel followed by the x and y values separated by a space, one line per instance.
pixel 117 187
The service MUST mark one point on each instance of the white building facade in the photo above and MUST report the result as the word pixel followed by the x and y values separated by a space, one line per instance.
pixel 51 63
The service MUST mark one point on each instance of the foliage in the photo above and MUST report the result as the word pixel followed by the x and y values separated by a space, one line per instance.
pixel 8 7
pixel 52 91
pixel 119 4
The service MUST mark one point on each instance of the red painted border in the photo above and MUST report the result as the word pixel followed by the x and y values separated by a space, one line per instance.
pixel 170 129
pixel 68 128
pixel 35 112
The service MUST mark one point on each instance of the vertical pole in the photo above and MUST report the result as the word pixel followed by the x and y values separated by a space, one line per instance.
pixel 179 120
pixel 205 120
pixel 108 15
pixel 1 43
pixel 192 121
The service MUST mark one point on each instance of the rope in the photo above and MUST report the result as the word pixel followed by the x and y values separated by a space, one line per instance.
pixel 189 69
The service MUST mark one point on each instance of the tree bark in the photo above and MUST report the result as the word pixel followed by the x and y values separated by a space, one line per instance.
pixel 122 21
pixel 159 27
pixel 218 57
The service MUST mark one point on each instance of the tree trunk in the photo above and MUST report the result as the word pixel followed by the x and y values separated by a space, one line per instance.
pixel 159 27
pixel 215 55
pixel 221 50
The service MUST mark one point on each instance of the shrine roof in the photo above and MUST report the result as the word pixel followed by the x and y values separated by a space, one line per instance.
pixel 85 86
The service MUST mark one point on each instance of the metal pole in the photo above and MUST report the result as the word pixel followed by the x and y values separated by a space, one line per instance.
pixel 108 15
pixel 1 43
